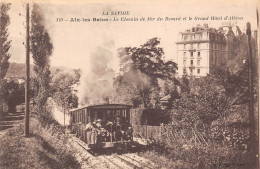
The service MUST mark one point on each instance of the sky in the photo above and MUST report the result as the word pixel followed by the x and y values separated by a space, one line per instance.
pixel 74 43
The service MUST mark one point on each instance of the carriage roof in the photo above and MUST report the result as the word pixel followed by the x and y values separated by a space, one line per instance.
pixel 104 106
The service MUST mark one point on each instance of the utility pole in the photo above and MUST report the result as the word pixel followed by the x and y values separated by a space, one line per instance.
pixel 27 99
pixel 252 147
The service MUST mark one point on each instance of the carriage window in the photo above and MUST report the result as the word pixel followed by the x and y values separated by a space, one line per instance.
pixel 85 116
pixel 128 115
pixel 99 114
pixel 109 115
pixel 124 113
pixel 92 115
pixel 82 115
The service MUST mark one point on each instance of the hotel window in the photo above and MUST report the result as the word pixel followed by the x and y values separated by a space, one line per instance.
pixel 191 54
pixel 191 62
pixel 184 54
pixel 184 71
pixel 212 58
pixel 184 46
pixel 198 45
pixel 198 54
pixel 198 71
pixel 198 62
pixel 184 63
pixel 198 36
pixel 215 58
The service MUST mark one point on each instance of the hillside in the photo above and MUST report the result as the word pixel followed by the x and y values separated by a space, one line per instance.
pixel 19 70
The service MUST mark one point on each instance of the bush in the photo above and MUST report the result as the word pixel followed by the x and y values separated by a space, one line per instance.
pixel 182 155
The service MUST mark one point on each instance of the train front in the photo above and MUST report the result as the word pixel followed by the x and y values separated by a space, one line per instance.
pixel 104 126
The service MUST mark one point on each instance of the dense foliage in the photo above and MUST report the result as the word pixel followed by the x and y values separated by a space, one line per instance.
pixel 13 93
pixel 210 124
pixel 141 68
pixel 205 102
pixel 62 86
pixel 41 48
pixel 5 44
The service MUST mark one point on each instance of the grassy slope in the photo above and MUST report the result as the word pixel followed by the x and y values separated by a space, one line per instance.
pixel 38 151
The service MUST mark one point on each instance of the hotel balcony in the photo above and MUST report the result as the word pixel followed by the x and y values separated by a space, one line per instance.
pixel 191 49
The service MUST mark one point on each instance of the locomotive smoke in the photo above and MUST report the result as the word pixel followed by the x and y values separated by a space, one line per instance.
pixel 96 82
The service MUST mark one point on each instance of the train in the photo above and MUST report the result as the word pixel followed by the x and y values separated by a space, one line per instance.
pixel 103 126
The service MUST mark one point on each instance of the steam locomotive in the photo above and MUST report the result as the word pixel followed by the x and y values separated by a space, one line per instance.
pixel 103 126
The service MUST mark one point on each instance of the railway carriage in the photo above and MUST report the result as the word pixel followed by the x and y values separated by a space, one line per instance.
pixel 103 125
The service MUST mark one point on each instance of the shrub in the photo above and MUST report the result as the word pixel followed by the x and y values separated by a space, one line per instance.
pixel 185 155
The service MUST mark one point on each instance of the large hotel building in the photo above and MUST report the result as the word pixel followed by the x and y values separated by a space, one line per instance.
pixel 200 48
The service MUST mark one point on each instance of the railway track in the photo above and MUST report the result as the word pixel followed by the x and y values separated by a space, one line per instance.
pixel 125 161
pixel 139 160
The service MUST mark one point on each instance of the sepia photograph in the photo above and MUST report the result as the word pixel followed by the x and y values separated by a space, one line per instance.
pixel 129 84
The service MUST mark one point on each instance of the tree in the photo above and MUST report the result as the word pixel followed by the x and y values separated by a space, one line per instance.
pixel 41 51
pixel 234 75
pixel 135 88
pixel 148 59
pixel 206 102
pixel 13 94
pixel 61 88
pixel 5 44
pixel 141 67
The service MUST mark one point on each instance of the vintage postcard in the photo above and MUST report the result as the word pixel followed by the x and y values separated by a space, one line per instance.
pixel 129 84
